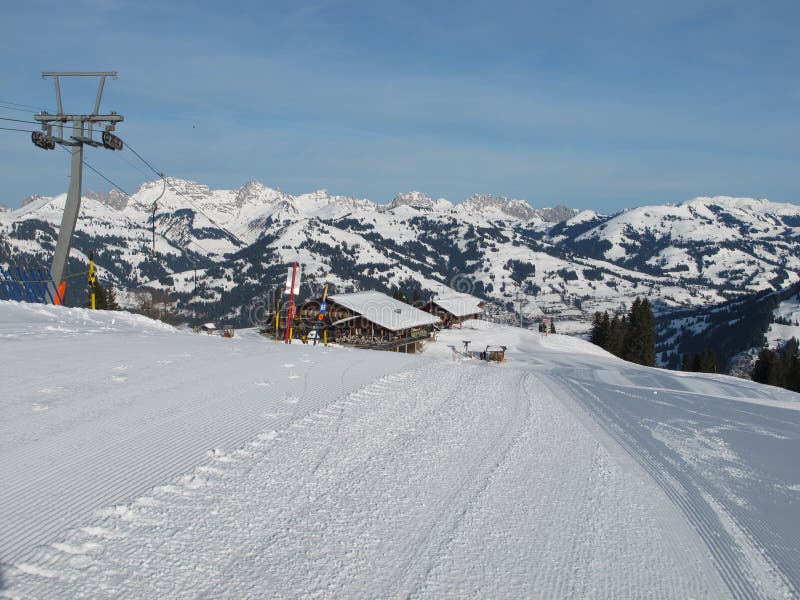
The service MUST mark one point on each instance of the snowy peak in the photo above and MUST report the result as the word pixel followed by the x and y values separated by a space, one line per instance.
pixel 416 200
pixel 31 199
pixel 750 205
pixel 254 193
pixel 584 216
pixel 558 213
pixel 113 199
pixel 443 205
pixel 498 207
pixel 323 204
pixel 718 219
pixel 171 194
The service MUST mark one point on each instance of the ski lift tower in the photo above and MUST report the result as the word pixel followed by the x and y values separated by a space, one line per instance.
pixel 83 130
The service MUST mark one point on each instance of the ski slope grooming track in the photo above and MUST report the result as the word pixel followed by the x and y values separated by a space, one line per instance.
pixel 120 423
pixel 755 544
pixel 167 465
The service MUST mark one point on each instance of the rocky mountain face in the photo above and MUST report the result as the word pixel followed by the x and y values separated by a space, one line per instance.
pixel 220 253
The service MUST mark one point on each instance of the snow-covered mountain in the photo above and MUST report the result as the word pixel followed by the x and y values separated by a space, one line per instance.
pixel 218 250
pixel 723 240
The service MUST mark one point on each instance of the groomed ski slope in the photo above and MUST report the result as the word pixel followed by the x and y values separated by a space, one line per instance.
pixel 138 461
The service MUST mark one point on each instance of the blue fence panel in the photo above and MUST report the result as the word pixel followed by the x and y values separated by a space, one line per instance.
pixel 26 286
pixel 36 285
pixel 33 285
pixel 7 285
pixel 46 280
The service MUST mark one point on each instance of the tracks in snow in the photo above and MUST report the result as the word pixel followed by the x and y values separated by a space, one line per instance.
pixel 441 480
pixel 108 445
pixel 726 527
pixel 431 542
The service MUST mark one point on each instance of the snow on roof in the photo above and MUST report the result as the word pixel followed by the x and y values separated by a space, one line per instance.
pixel 459 305
pixel 384 310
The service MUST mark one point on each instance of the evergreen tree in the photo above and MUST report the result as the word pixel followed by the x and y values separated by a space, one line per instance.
pixel 616 336
pixel 593 335
pixel 605 326
pixel 775 374
pixel 600 330
pixel 648 325
pixel 792 378
pixel 99 297
pixel 707 361
pixel 640 336
pixel 787 366
pixel 104 297
pixel 703 362
pixel 763 366
pixel 111 299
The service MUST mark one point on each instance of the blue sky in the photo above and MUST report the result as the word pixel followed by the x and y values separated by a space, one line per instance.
pixel 596 105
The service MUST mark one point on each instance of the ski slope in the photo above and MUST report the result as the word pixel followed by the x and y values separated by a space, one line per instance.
pixel 145 462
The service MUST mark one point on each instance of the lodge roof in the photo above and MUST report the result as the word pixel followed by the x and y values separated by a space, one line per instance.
pixel 459 305
pixel 384 310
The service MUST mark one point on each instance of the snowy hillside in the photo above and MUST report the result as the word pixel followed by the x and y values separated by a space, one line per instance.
pixel 786 322
pixel 733 241
pixel 140 461
pixel 735 331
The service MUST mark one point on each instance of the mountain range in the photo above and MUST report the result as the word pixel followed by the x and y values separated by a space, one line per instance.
pixel 221 253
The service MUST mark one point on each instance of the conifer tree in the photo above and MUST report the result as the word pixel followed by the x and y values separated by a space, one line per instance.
pixel 702 362
pixel 104 297
pixel 763 366
pixel 616 336
pixel 99 296
pixel 648 329
pixel 111 299
pixel 640 336
pixel 600 330
pixel 707 361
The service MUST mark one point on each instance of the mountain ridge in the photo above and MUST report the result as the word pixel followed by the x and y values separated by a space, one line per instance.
pixel 559 261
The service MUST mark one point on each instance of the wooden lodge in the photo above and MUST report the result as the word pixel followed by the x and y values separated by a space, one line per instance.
pixel 368 320
pixel 454 308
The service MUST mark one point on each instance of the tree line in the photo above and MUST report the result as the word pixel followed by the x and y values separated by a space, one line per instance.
pixel 631 337
pixel 105 298
pixel 779 367
pixel 701 362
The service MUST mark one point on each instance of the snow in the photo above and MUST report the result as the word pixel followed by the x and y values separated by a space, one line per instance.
pixel 458 304
pixel 713 221
pixel 140 461
pixel 582 217
pixel 384 310
pixel 788 310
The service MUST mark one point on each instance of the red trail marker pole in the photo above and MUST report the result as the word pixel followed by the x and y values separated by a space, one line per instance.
pixel 290 309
